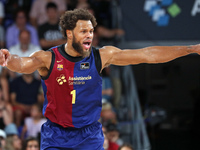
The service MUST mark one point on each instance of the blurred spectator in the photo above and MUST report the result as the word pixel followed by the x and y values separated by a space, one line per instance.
pixel 104 31
pixel 11 7
pixel 113 134
pixel 106 142
pixel 2 15
pixel 49 33
pixel 71 4
pixel 24 48
pixel 11 129
pixel 2 139
pixel 41 95
pixel 107 33
pixel 32 124
pixel 2 37
pixel 2 34
pixel 107 90
pixel 24 92
pixel 113 146
pixel 107 114
pixel 6 113
pixel 38 14
pixel 108 145
pixel 102 12
pixel 4 87
pixel 82 4
pixel 9 75
pixel 104 129
pixel 126 147
pixel 95 41
pixel 13 142
pixel 117 85
pixel 31 143
pixel 12 33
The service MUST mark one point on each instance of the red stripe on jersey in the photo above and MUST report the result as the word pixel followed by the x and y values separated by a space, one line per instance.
pixel 59 107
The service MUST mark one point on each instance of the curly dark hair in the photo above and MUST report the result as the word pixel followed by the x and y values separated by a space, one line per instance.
pixel 69 19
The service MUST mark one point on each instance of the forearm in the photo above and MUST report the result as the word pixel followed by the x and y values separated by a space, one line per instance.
pixel 154 54
pixel 25 65
pixel 14 63
pixel 161 54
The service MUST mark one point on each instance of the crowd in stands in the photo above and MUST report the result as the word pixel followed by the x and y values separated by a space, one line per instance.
pixel 30 25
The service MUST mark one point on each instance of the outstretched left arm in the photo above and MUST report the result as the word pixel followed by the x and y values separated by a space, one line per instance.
pixel 154 54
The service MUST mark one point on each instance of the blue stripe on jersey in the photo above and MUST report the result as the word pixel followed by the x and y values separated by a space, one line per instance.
pixel 87 107
pixel 45 96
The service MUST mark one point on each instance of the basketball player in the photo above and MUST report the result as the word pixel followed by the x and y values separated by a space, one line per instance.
pixel 72 82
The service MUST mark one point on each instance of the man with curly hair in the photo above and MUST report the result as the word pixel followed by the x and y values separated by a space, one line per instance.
pixel 71 78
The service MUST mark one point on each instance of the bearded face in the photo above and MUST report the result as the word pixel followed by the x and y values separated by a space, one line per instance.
pixel 79 48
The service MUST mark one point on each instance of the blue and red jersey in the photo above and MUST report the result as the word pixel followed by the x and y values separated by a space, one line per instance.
pixel 73 89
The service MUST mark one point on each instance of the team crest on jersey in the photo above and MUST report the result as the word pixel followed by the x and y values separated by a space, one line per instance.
pixel 60 67
pixel 85 65
pixel 61 79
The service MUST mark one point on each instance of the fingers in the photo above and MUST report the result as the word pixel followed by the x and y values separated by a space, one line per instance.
pixel 2 58
pixel 5 63
pixel 4 53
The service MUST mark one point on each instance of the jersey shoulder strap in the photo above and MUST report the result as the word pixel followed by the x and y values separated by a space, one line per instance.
pixel 97 58
pixel 52 64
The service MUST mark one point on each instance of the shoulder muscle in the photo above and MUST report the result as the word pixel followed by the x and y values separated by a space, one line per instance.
pixel 44 60
pixel 107 53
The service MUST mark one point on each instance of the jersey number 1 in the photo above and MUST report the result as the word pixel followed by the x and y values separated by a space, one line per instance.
pixel 73 93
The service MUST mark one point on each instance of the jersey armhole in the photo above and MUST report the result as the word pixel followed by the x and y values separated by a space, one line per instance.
pixel 51 66
pixel 97 60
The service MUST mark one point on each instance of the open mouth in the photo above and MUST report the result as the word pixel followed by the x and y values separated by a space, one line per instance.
pixel 87 44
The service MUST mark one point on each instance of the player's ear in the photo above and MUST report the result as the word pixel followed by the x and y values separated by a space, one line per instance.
pixel 69 34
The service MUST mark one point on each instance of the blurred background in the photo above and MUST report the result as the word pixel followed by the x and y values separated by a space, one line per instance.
pixel 148 106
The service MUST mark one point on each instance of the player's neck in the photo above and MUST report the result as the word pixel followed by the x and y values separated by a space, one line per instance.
pixel 70 50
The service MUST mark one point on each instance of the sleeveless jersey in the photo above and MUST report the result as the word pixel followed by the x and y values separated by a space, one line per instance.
pixel 73 89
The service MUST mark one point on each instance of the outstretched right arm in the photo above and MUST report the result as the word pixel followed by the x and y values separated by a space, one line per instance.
pixel 39 60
